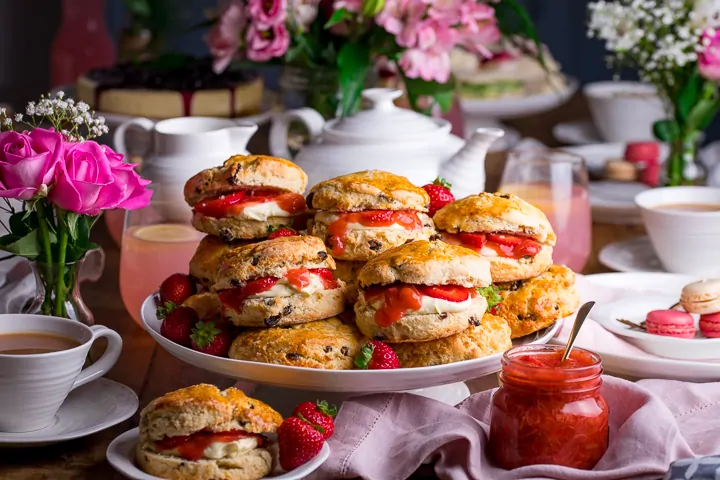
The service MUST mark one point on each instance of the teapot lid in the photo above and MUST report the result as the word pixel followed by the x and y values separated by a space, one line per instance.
pixel 383 120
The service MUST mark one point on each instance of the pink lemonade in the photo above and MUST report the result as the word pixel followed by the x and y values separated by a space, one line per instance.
pixel 149 255
pixel 568 209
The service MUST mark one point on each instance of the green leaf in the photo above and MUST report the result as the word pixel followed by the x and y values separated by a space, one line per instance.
pixel 491 294
pixel 353 64
pixel 140 8
pixel 666 130
pixel 338 16
pixel 18 224
pixel 364 357
pixel 688 96
pixel 417 87
pixel 370 8
pixel 702 114
pixel 27 246
pixel 72 222
pixel 513 20
pixel 444 100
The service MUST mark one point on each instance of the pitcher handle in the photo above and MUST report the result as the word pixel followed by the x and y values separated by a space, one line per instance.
pixel 280 127
pixel 106 361
pixel 119 136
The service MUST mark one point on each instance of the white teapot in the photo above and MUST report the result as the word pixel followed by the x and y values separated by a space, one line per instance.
pixel 389 138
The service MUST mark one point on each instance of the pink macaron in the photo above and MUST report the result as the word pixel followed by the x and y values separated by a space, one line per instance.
pixel 670 323
pixel 710 325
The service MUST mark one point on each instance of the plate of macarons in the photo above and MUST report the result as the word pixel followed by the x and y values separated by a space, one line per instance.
pixel 685 326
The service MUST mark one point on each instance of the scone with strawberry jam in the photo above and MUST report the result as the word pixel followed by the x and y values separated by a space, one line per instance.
pixel 247 197
pixel 205 262
pixel 278 282
pixel 421 291
pixel 515 236
pixel 366 213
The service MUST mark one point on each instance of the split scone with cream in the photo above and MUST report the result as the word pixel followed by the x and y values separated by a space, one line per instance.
pixel 205 262
pixel 247 197
pixel 515 236
pixel 278 282
pixel 421 291
pixel 366 213
pixel 201 432
pixel 536 303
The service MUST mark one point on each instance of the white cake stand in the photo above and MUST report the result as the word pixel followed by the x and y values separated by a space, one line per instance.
pixel 284 386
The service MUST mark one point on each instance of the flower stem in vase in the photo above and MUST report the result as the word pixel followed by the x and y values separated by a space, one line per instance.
pixel 47 253
pixel 60 289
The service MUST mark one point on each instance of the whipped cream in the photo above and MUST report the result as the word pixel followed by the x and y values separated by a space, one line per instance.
pixel 283 288
pixel 218 450
pixel 430 305
pixel 328 218
pixel 262 211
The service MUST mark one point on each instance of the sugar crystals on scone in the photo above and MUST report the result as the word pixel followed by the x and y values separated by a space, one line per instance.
pixel 514 235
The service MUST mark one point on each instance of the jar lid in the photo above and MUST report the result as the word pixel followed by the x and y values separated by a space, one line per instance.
pixel 383 120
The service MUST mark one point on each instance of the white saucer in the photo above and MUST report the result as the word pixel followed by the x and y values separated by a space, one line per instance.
pixel 596 155
pixel 634 255
pixel 614 202
pixel 121 455
pixel 88 409
pixel 578 132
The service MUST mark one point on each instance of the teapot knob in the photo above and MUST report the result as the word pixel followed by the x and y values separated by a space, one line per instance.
pixel 382 98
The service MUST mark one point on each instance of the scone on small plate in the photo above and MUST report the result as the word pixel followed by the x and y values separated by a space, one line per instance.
pixel 366 213
pixel 246 197
pixel 205 262
pixel 421 291
pixel 201 432
pixel 533 304
pixel 327 344
pixel 279 282
pixel 515 236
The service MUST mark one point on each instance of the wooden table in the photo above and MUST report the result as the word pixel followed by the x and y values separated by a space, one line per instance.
pixel 151 372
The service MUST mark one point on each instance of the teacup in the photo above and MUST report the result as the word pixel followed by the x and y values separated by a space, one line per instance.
pixel 34 386
pixel 685 241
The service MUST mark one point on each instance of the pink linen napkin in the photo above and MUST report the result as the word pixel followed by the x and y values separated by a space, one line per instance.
pixel 652 423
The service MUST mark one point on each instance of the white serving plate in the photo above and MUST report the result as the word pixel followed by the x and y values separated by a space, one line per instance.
pixel 121 455
pixel 635 309
pixel 633 255
pixel 346 381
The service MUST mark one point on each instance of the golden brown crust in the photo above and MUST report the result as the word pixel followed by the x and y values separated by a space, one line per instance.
pixel 490 337
pixel 495 212
pixel 504 269
pixel 347 272
pixel 328 344
pixel 252 465
pixel 205 262
pixel 205 304
pixel 427 263
pixel 242 171
pixel 230 229
pixel 368 190
pixel 533 304
pixel 272 258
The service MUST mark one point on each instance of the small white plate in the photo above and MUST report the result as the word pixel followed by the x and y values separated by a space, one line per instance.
pixel 596 155
pixel 635 309
pixel 578 132
pixel 121 455
pixel 88 409
pixel 614 202
pixel 634 255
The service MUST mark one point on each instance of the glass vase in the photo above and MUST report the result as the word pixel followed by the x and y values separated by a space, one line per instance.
pixel 317 88
pixel 682 165
pixel 57 291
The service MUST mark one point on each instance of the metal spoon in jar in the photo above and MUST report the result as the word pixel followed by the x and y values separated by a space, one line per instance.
pixel 579 320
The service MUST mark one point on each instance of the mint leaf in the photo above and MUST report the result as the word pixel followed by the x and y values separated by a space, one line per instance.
pixel 491 294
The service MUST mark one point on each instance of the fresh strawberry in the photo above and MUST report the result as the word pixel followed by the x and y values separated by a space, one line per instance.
pixel 528 248
pixel 177 288
pixel 440 194
pixel 451 293
pixel 476 240
pixel 177 323
pixel 505 239
pixel 298 442
pixel 281 232
pixel 377 355
pixel 206 338
pixel 319 413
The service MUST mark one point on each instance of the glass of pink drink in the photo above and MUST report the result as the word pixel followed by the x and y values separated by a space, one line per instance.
pixel 557 183
pixel 156 243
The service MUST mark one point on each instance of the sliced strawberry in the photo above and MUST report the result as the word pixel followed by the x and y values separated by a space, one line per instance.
pixel 274 232
pixel 258 286
pixel 451 293
pixel 528 248
pixel 505 239
pixel 326 276
pixel 476 240
pixel 220 206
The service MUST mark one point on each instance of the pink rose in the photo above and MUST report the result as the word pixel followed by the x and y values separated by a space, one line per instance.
pixel 262 45
pixel 91 178
pixel 224 37
pixel 426 64
pixel 267 13
pixel 27 162
pixel 709 58
pixel 304 12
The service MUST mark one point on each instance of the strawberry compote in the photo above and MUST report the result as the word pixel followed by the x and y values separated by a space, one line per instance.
pixel 233 204
pixel 192 447
pixel 503 244
pixel 548 411
pixel 369 218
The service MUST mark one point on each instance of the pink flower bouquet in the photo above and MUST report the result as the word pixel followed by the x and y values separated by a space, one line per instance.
pixel 350 35
pixel 64 181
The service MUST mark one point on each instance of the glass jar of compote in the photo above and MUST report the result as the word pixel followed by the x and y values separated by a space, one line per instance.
pixel 548 412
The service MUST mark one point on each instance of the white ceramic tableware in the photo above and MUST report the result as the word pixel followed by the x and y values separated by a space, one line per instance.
pixel 577 132
pixel 686 242
pixel 121 455
pixel 385 137
pixel 89 409
pixel 624 111
pixel 633 255
pixel 32 387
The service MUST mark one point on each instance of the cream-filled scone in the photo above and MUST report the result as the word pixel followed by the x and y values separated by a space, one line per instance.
pixel 366 213
pixel 278 282
pixel 247 196
pixel 203 432
pixel 513 235
pixel 205 262
pixel 421 291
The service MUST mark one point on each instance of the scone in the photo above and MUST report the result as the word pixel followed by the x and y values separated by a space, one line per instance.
pixel 490 337
pixel 347 272
pixel 533 304
pixel 328 344
pixel 515 236
pixel 205 262
pixel 366 213
pixel 278 282
pixel 421 291
pixel 206 305
pixel 202 432
pixel 246 197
